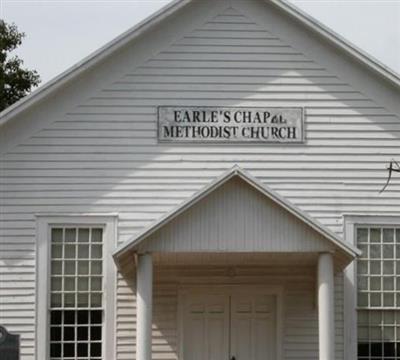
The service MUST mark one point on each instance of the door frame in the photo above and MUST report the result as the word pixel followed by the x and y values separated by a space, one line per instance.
pixel 231 289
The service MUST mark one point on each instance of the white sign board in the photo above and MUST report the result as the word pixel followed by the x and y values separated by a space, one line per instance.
pixel 230 124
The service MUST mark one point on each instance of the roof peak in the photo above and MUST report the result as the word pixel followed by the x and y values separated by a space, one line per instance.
pixel 236 170
pixel 45 90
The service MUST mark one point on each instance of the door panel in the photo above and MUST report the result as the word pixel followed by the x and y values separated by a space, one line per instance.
pixel 206 327
pixel 253 327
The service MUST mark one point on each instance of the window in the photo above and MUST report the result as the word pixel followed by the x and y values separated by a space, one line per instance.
pixel 76 293
pixel 378 292
pixel 76 288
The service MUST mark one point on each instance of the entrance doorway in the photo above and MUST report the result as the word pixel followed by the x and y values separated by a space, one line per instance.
pixel 229 325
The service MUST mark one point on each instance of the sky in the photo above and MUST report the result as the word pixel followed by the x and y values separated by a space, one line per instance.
pixel 59 33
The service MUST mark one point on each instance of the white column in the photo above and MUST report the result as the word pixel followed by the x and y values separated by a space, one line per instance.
pixel 144 306
pixel 326 320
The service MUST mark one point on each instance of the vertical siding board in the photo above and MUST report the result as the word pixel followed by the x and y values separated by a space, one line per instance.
pixel 248 222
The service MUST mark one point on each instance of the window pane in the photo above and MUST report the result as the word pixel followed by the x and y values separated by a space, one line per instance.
pixel 375 251
pixel 388 299
pixel 56 300
pixel 364 250
pixel 362 267
pixel 362 299
pixel 83 235
pixel 83 251
pixel 57 235
pixel 69 267
pixel 388 267
pixel 97 235
pixel 69 300
pixel 362 283
pixel 56 284
pixel 70 235
pixel 375 283
pixel 83 284
pixel 56 267
pixel 388 283
pixel 362 235
pixel 95 300
pixel 375 235
pixel 97 252
pixel 56 250
pixel 83 300
pixel 70 251
pixel 55 350
pixel 375 299
pixel 82 348
pixel 388 235
pixel 69 283
pixel 388 251
pixel 375 267
pixel 96 283
pixel 97 268
pixel 83 267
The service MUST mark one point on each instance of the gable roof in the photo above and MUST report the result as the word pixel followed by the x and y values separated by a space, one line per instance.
pixel 236 171
pixel 47 89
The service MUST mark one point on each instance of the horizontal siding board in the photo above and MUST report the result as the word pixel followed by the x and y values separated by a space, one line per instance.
pixel 212 149
pixel 268 79
pixel 20 159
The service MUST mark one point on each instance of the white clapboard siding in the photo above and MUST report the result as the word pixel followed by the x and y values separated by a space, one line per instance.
pixel 102 155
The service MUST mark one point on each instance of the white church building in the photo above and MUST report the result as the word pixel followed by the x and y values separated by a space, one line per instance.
pixel 207 186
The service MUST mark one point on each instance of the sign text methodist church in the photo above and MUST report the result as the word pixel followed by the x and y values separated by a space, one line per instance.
pixel 230 124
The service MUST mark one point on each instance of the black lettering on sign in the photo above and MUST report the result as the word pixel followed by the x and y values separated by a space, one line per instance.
pixel 235 124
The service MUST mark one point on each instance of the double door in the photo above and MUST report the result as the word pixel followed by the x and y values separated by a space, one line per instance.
pixel 229 326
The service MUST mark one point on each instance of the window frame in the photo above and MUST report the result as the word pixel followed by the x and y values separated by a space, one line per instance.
pixel 350 223
pixel 44 223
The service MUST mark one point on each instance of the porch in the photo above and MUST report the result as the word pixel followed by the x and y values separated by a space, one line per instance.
pixel 206 284
pixel 248 276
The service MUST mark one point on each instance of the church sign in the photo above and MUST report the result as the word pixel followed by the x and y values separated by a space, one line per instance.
pixel 230 124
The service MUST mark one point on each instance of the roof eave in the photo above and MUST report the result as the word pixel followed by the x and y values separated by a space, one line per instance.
pixel 91 60
pixel 361 56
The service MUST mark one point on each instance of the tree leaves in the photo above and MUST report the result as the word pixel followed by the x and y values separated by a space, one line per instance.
pixel 15 81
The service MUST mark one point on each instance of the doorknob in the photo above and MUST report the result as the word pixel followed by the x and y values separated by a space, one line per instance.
pixel 233 358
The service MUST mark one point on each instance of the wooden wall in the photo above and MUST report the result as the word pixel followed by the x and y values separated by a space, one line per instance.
pixel 92 147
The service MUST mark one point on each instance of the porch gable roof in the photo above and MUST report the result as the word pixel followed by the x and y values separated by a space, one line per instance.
pixel 133 243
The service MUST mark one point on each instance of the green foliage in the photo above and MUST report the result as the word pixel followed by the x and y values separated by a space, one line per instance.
pixel 15 81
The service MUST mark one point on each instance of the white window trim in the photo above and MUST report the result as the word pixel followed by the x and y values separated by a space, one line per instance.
pixel 44 222
pixel 350 283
